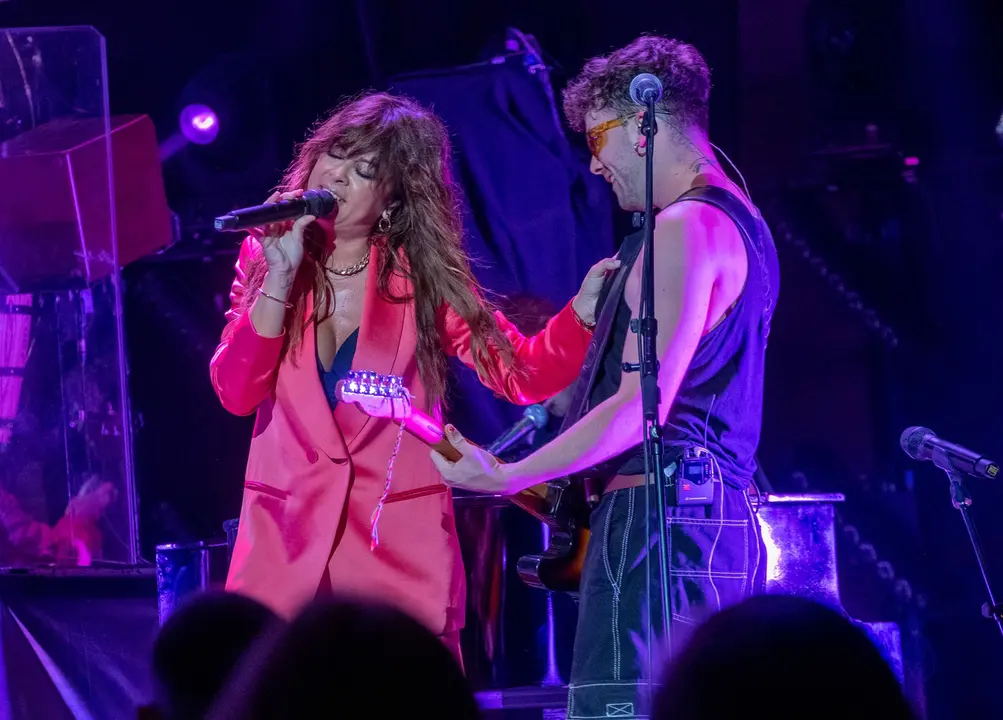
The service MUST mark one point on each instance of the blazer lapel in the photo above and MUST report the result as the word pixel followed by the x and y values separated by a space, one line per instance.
pixel 379 340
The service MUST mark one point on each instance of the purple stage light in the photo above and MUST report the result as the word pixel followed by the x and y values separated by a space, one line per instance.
pixel 199 124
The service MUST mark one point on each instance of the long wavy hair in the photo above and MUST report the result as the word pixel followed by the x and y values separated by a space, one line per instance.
pixel 411 152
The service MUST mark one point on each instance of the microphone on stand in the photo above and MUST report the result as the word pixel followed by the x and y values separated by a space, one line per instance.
pixel 319 203
pixel 534 418
pixel 646 91
pixel 645 87
pixel 921 443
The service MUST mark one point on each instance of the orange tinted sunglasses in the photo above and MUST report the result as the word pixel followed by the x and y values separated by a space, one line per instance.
pixel 596 137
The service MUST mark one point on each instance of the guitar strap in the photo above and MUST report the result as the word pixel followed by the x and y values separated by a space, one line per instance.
pixel 609 301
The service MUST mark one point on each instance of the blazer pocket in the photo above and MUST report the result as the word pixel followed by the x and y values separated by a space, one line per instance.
pixel 415 493
pixel 410 516
pixel 266 490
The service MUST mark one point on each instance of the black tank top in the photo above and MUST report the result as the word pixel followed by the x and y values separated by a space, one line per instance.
pixel 719 405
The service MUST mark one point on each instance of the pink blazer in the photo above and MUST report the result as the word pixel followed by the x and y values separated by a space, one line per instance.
pixel 314 477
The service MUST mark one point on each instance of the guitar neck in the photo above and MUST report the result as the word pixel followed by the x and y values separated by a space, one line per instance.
pixel 427 429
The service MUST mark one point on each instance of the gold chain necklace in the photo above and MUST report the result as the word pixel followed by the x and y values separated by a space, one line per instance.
pixel 351 269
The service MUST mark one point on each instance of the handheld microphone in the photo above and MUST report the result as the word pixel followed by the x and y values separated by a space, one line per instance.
pixel 921 443
pixel 534 418
pixel 645 87
pixel 319 203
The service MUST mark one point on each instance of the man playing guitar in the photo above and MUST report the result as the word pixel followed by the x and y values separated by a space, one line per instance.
pixel 716 284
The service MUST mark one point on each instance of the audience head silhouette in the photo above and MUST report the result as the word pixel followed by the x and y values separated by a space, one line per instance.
pixel 783 655
pixel 342 658
pixel 198 648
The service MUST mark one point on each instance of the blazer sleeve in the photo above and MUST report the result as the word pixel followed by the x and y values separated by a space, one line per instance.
pixel 244 366
pixel 550 360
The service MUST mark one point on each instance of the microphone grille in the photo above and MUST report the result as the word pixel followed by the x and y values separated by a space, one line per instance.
pixel 912 442
pixel 321 202
pixel 537 414
pixel 643 84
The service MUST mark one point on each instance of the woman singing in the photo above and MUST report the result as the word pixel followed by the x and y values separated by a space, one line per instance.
pixel 384 287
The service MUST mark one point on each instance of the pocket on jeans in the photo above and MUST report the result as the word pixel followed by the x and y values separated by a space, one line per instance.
pixel 710 561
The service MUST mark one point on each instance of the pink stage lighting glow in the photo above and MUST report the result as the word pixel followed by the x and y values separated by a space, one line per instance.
pixel 199 124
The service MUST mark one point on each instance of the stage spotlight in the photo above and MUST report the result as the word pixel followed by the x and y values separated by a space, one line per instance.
pixel 199 124
pixel 230 148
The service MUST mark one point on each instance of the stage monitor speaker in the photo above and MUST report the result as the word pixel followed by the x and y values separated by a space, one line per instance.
pixel 56 229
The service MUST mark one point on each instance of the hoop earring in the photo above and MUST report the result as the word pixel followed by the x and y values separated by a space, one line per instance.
pixel 638 150
pixel 383 226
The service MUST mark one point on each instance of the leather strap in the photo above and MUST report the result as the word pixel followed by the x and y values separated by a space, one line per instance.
pixel 609 300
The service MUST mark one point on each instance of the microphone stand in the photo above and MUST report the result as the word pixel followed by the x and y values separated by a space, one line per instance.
pixel 962 500
pixel 646 328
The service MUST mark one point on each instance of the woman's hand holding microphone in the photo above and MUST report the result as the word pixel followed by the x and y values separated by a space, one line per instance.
pixel 282 243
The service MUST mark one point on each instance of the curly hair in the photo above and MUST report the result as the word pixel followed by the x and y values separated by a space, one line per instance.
pixel 412 153
pixel 604 82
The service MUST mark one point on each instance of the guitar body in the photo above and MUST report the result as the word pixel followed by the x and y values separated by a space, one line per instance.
pixel 559 503
pixel 559 567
